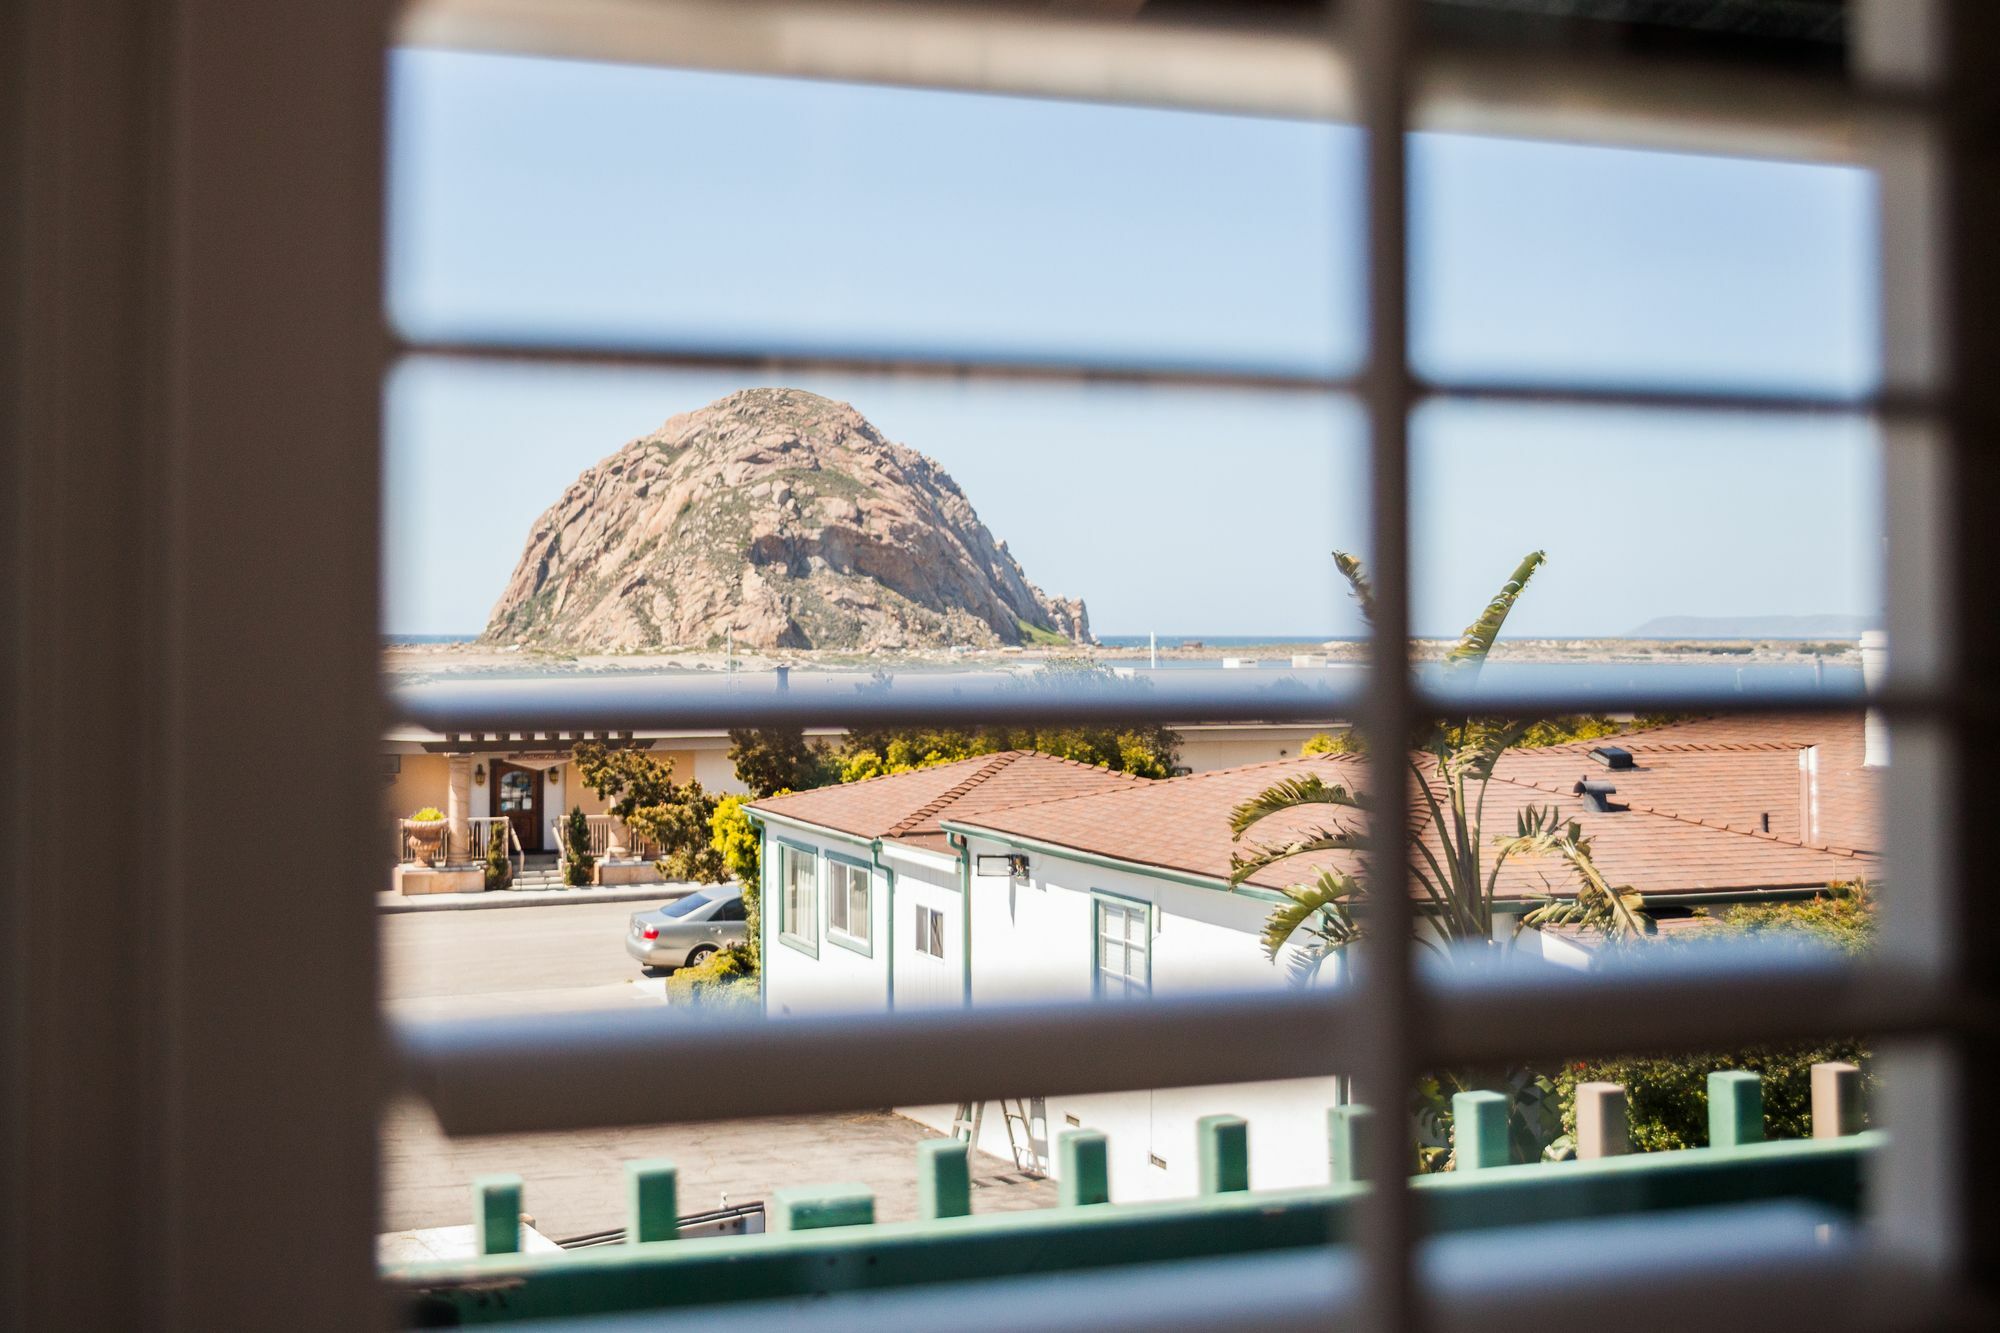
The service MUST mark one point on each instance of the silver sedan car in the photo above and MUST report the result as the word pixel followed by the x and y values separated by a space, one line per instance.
pixel 688 929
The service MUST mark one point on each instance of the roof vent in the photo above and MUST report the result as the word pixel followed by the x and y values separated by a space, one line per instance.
pixel 1599 795
pixel 1612 756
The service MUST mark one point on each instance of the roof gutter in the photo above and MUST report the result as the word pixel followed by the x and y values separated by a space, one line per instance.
pixel 963 846
pixel 957 833
pixel 889 881
pixel 1731 897
pixel 817 830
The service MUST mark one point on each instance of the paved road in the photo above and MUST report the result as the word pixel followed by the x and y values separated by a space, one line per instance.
pixel 571 957
pixel 520 960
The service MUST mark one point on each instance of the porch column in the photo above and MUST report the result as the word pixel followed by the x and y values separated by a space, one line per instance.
pixel 458 808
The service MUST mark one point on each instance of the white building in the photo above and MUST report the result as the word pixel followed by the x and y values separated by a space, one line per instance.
pixel 1018 877
pixel 873 892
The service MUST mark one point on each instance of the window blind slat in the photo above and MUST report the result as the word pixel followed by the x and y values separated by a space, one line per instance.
pixel 575 1071
pixel 558 708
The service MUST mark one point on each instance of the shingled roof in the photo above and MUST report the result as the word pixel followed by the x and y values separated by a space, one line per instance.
pixel 1697 800
pixel 908 806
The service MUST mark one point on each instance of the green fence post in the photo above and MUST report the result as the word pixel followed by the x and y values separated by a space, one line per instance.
pixel 818 1206
pixel 944 1178
pixel 1222 1153
pixel 1735 1108
pixel 652 1193
pixel 1085 1158
pixel 1479 1129
pixel 1603 1121
pixel 1347 1136
pixel 496 1214
pixel 1836 1099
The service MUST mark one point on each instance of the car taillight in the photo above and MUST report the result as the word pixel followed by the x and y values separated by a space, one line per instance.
pixel 650 933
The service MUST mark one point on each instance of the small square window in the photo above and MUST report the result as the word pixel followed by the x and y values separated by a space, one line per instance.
pixel 929 936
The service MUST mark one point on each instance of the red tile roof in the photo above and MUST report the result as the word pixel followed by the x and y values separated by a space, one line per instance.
pixel 1697 798
pixel 908 806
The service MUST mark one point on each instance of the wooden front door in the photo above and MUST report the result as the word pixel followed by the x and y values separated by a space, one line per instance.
pixel 517 794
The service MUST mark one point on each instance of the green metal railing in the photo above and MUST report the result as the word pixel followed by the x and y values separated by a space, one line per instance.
pixel 824 1241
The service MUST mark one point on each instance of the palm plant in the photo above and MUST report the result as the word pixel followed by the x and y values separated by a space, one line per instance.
pixel 1451 765
pixel 1618 912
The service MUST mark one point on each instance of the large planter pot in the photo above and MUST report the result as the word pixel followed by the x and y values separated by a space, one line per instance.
pixel 426 837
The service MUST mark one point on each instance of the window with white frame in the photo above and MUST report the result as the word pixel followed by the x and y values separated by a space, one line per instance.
pixel 928 938
pixel 1121 932
pixel 798 895
pixel 1124 949
pixel 849 886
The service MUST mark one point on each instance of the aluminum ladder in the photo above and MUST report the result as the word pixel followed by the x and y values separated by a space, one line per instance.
pixel 1029 1150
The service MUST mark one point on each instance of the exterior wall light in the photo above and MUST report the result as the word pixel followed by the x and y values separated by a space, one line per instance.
pixel 479 775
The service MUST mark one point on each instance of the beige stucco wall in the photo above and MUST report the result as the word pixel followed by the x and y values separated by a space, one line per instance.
pixel 565 792
pixel 1207 748
pixel 421 782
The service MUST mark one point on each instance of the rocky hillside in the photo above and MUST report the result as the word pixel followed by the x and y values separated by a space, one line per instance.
pixel 784 517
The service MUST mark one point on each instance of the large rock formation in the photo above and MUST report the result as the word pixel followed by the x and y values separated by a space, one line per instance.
pixel 783 517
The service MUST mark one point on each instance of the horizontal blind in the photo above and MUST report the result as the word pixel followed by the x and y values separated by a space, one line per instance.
pixel 574 1072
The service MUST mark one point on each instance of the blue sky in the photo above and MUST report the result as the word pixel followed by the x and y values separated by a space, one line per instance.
pixel 538 198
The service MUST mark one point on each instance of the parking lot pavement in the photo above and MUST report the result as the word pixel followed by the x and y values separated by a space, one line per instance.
pixel 543 959
pixel 575 1184
pixel 525 960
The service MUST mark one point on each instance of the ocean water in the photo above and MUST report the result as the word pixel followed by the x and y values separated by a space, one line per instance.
pixel 1596 685
pixel 1219 640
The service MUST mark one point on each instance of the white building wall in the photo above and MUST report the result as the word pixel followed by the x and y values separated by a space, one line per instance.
pixel 847 975
pixel 921 980
pixel 1034 939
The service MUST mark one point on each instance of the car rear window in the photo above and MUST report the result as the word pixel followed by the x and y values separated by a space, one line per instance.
pixel 683 906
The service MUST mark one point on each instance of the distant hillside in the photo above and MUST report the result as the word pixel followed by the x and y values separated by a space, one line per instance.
pixel 779 516
pixel 1752 627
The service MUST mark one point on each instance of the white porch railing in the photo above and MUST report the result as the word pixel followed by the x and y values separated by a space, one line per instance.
pixel 483 827
pixel 601 829
pixel 437 845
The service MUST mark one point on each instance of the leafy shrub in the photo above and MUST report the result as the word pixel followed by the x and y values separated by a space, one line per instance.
pixel 1325 742
pixel 499 867
pixel 681 827
pixel 1667 1096
pixel 578 862
pixel 1149 752
pixel 430 814
pixel 725 979
pixel 775 759
pixel 735 840
pixel 640 789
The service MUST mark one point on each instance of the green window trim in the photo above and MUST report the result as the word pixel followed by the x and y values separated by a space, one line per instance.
pixel 1100 899
pixel 806 945
pixel 861 944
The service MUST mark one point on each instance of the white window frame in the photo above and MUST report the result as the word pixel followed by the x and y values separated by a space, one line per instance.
pixel 798 917
pixel 1130 914
pixel 163 261
pixel 928 929
pixel 1372 1027
pixel 838 880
